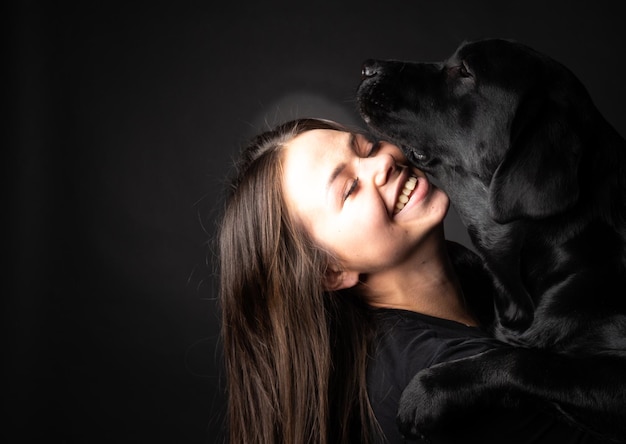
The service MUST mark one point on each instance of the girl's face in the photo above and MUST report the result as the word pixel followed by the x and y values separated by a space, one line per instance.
pixel 348 192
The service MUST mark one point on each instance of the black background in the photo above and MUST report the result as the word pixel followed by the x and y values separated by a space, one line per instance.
pixel 123 120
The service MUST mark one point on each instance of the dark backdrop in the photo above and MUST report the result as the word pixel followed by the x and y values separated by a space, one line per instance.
pixel 123 121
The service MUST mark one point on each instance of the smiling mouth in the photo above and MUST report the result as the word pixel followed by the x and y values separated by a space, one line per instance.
pixel 404 196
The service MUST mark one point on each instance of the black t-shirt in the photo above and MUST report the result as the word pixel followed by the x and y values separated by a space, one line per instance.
pixel 409 342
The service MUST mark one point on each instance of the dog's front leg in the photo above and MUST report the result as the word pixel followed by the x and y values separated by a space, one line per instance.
pixel 590 392
pixel 439 395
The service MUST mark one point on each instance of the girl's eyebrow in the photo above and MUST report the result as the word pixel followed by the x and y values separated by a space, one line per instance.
pixel 339 168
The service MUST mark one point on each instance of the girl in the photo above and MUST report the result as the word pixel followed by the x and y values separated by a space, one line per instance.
pixel 337 285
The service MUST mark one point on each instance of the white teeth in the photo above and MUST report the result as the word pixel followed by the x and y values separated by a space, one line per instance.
pixel 409 186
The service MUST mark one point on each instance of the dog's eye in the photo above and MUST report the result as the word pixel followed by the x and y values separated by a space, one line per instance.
pixel 464 70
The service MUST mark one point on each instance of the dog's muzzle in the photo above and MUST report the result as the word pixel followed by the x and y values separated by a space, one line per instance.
pixel 371 68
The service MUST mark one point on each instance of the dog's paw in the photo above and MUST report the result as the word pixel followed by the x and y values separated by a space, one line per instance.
pixel 420 409
pixel 442 394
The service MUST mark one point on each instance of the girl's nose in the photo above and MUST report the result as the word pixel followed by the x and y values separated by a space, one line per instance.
pixel 380 166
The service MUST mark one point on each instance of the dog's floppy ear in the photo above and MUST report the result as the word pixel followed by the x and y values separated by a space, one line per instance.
pixel 539 174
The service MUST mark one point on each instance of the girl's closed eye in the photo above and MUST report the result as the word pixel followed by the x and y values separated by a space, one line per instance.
pixel 368 147
pixel 373 147
pixel 351 189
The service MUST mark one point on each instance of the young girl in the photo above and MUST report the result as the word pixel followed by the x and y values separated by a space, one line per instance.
pixel 337 286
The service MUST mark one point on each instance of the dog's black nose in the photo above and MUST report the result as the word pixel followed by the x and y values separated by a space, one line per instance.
pixel 370 68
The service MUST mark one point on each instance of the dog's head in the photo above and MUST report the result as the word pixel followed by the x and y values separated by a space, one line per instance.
pixel 496 110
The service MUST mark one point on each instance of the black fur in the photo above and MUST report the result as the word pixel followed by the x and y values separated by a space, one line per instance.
pixel 538 177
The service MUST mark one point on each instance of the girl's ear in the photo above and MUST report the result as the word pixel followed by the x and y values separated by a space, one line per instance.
pixel 340 279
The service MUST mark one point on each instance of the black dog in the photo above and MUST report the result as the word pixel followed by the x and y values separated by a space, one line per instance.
pixel 538 177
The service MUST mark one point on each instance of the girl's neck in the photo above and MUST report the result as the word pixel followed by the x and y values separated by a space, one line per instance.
pixel 427 285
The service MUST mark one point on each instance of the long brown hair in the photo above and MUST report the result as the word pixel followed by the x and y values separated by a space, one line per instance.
pixel 295 355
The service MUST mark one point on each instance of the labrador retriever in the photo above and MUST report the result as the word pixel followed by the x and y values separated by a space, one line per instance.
pixel 538 177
